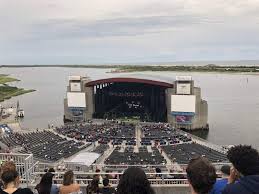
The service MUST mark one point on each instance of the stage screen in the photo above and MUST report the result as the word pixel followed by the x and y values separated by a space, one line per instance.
pixel 183 103
pixel 76 99
pixel 183 88
pixel 183 119
pixel 75 86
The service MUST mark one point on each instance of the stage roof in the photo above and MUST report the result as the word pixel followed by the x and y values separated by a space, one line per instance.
pixel 135 78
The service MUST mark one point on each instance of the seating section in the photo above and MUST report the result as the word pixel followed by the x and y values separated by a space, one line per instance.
pixel 103 133
pixel 162 134
pixel 100 149
pixel 44 145
pixel 49 146
pixel 182 153
pixel 143 157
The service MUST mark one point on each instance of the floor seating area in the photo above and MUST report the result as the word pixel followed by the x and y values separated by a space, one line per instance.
pixel 103 133
pixel 143 157
pixel 100 149
pixel 182 153
pixel 162 134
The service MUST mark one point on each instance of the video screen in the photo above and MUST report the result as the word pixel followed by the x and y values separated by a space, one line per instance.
pixel 183 119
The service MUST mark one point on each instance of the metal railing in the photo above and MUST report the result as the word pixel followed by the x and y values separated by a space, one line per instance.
pixel 31 171
pixel 84 178
pixel 24 165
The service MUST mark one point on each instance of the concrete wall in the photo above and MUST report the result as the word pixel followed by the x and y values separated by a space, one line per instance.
pixel 200 118
pixel 172 189
pixel 89 94
pixel 169 92
pixel 201 115
pixel 88 98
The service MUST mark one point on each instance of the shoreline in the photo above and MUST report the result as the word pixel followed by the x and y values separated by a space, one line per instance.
pixel 253 70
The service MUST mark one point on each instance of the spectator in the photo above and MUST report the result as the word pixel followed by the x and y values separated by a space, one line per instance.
pixel 245 161
pixel 45 186
pixel 68 184
pixel 107 189
pixel 134 180
pixel 158 173
pixel 93 187
pixel 99 177
pixel 221 183
pixel 52 170
pixel 8 165
pixel 11 180
pixel 201 175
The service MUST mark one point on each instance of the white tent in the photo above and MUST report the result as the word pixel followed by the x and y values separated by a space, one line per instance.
pixel 84 158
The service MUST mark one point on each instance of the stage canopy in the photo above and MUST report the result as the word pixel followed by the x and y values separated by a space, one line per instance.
pixel 84 158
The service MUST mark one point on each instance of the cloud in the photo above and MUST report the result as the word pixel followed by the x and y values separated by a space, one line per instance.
pixel 121 26
pixel 139 29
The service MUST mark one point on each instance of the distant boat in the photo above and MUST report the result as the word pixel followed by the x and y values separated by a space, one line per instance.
pixel 19 112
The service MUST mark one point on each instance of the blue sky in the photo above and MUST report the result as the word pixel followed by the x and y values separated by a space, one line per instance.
pixel 127 31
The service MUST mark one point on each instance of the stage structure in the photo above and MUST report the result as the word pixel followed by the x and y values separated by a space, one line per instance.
pixel 141 97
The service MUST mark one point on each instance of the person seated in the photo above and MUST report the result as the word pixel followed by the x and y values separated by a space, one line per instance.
pixel 245 161
pixel 45 186
pixel 201 175
pixel 11 180
pixel 107 189
pixel 68 184
pixel 221 183
pixel 134 180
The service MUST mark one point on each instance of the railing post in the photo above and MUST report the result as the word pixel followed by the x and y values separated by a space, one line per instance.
pixel 26 171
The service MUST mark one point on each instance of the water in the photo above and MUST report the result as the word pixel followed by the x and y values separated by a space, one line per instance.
pixel 233 100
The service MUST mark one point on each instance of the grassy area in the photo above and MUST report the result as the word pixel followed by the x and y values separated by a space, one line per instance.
pixel 135 68
pixel 5 79
pixel 206 68
pixel 7 91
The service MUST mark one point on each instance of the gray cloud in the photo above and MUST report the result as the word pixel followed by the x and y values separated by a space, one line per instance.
pixel 140 30
pixel 121 26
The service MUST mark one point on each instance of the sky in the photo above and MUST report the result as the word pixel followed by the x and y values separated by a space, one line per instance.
pixel 127 31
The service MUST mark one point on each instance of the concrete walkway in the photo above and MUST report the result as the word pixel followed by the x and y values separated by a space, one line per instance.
pixel 138 136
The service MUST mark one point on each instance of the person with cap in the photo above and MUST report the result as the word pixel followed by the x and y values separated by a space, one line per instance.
pixel 221 183
pixel 245 161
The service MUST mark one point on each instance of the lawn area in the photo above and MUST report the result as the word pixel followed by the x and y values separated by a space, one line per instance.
pixel 7 91
pixel 5 79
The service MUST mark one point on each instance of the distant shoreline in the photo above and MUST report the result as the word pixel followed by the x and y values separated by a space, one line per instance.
pixel 141 68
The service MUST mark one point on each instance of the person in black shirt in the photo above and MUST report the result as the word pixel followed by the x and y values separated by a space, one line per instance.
pixel 134 181
pixel 107 189
pixel 11 182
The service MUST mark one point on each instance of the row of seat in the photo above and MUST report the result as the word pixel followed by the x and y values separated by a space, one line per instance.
pixel 182 153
